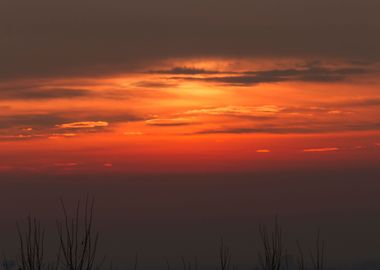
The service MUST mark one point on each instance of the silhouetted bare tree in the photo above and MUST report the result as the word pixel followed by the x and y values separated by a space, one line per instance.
pixel 78 241
pixel 300 258
pixel 188 264
pixel 31 245
pixel 318 256
pixel 273 247
pixel 224 256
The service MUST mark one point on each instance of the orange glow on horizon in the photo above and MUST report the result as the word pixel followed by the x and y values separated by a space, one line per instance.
pixel 194 115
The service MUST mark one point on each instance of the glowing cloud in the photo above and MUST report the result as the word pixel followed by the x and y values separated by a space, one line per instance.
pixel 17 137
pixel 335 112
pixel 84 124
pixel 169 122
pixel 326 149
pixel 60 136
pixel 263 151
pixel 237 110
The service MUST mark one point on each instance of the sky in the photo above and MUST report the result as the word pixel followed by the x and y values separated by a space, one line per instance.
pixel 119 93
pixel 189 115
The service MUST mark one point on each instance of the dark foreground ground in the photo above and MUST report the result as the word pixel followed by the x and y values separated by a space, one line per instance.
pixel 168 217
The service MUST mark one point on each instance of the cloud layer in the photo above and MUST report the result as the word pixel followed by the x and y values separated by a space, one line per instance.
pixel 244 78
pixel 96 37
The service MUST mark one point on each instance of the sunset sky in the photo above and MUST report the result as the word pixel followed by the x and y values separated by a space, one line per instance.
pixel 152 89
pixel 194 114
pixel 196 86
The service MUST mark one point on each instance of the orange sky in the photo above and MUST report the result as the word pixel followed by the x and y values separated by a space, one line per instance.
pixel 194 115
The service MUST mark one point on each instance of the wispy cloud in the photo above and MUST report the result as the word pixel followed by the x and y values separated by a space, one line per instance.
pixel 245 78
pixel 61 135
pixel 325 149
pixel 60 124
pixel 30 120
pixel 185 71
pixel 258 130
pixel 264 110
pixel 26 91
pixel 304 127
pixel 239 80
pixel 155 84
pixel 84 124
pixel 263 151
pixel 18 137
pixel 169 122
